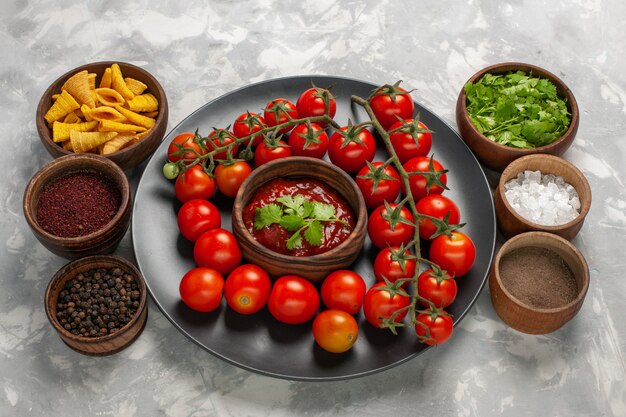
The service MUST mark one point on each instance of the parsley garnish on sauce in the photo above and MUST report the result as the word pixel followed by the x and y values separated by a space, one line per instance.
pixel 517 109
pixel 298 215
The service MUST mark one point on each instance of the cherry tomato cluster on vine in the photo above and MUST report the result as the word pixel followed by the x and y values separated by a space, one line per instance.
pixel 262 137
pixel 271 134
pixel 391 226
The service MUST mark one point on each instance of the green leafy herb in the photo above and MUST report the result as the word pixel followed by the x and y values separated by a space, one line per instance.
pixel 272 213
pixel 517 109
pixel 298 215
pixel 314 233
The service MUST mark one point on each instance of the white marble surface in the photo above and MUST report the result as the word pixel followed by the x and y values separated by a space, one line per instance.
pixel 200 50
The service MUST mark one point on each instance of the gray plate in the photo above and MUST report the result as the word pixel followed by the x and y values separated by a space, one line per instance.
pixel 259 343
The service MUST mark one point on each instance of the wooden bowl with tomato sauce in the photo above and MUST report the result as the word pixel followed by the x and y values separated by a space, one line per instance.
pixel 317 266
pixel 496 156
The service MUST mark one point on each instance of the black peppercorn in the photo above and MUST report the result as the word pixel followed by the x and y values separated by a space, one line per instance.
pixel 98 302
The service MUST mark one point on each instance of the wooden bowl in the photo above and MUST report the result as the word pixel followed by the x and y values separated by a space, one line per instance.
pixel 526 318
pixel 104 240
pixel 99 345
pixel 496 156
pixel 315 267
pixel 126 158
pixel 511 223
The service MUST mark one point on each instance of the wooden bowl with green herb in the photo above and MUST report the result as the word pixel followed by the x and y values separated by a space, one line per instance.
pixel 311 229
pixel 538 282
pixel 512 109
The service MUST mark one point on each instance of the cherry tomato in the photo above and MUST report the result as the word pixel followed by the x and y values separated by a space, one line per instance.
pixel 420 187
pixel 379 304
pixel 279 111
pixel 194 183
pixel 381 231
pixel 293 300
pixel 201 289
pixel 312 102
pixel 438 287
pixel 196 217
pixel 230 177
pixel 433 331
pixel 387 187
pixel 343 290
pixel 185 140
pixel 247 289
pixel 218 138
pixel 454 254
pixel 390 103
pixel 265 153
pixel 409 142
pixel 218 249
pixel 305 142
pixel 335 331
pixel 247 124
pixel 171 171
pixel 350 147
pixel 393 265
pixel 438 206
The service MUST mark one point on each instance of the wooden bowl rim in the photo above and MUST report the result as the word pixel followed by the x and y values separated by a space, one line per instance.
pixel 502 67
pixel 582 292
pixel 44 103
pixel 94 262
pixel 321 257
pixel 584 205
pixel 68 161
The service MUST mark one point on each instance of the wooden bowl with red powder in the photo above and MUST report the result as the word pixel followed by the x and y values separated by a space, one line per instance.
pixel 538 282
pixel 78 205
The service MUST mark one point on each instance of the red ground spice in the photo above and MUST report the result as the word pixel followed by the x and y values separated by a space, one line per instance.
pixel 78 204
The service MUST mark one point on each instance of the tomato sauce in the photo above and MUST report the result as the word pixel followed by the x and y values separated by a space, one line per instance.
pixel 274 237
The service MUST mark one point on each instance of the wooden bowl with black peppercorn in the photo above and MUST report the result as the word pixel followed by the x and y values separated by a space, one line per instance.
pixel 496 156
pixel 538 282
pixel 127 157
pixel 78 205
pixel 313 267
pixel 97 304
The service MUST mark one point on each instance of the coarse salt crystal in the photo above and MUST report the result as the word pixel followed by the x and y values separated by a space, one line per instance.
pixel 543 199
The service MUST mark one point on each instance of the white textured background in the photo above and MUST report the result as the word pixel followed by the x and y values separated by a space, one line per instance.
pixel 200 50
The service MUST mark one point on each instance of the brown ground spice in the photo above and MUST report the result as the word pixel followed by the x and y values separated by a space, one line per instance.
pixel 538 277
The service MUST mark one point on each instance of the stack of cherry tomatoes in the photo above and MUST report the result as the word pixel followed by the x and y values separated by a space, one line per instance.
pixel 210 163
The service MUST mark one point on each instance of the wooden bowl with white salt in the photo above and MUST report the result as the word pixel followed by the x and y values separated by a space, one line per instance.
pixel 515 217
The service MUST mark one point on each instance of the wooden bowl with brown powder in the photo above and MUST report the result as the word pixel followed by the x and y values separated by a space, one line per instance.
pixel 78 205
pixel 538 282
